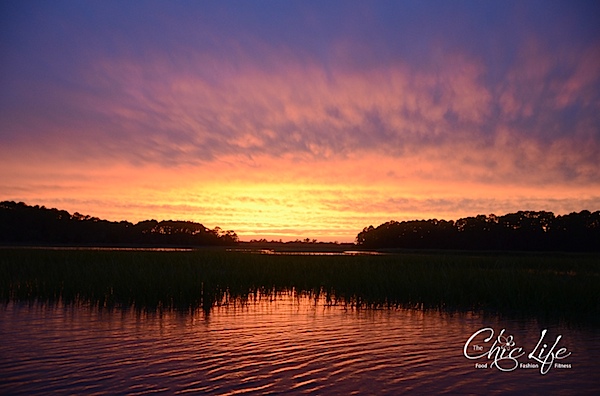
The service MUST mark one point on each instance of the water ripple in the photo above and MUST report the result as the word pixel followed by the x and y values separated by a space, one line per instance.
pixel 287 345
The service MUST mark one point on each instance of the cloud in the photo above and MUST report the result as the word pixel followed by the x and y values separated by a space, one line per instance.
pixel 297 109
pixel 160 113
pixel 376 109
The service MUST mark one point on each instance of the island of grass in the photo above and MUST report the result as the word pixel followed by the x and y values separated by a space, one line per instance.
pixel 542 285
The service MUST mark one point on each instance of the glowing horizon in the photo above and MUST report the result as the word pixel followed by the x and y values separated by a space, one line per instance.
pixel 298 121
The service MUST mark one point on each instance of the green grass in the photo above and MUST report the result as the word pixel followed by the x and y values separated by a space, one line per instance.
pixel 550 285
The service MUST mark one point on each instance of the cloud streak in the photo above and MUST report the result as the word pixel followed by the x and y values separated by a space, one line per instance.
pixel 168 117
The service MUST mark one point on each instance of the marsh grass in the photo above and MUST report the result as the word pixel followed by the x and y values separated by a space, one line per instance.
pixel 561 286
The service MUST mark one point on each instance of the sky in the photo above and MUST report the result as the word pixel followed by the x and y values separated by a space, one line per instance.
pixel 300 119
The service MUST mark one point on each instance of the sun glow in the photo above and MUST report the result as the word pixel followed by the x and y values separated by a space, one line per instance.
pixel 330 199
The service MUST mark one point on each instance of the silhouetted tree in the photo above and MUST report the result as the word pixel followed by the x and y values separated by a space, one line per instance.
pixel 23 224
pixel 524 230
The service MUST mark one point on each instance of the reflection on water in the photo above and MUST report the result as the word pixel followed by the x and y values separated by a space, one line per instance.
pixel 274 252
pixel 277 344
pixel 103 249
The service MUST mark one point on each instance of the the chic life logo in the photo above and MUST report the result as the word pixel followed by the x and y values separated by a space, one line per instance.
pixel 502 352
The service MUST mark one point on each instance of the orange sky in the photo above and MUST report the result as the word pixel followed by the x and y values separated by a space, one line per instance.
pixel 313 128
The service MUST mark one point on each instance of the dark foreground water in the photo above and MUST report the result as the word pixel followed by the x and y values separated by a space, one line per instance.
pixel 288 345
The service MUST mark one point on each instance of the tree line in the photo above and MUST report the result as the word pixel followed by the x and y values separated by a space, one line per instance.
pixel 22 224
pixel 524 230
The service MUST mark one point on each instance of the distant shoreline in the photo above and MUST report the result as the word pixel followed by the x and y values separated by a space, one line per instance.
pixel 24 225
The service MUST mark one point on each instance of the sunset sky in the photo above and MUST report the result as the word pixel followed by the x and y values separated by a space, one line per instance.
pixel 308 119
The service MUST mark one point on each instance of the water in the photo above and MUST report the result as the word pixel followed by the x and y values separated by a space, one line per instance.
pixel 273 252
pixel 287 344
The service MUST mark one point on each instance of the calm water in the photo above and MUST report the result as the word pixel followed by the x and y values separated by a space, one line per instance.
pixel 289 344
